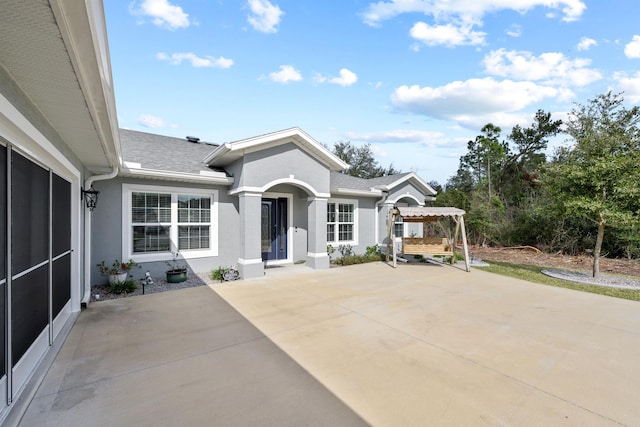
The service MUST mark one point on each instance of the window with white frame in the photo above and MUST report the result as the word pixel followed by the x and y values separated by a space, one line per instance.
pixel 398 227
pixel 161 220
pixel 341 221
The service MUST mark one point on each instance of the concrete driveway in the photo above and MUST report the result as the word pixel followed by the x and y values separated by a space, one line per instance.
pixel 419 345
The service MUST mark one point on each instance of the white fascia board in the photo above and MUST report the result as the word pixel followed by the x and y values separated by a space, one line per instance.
pixel 83 29
pixel 220 151
pixel 405 178
pixel 176 176
pixel 260 142
pixel 352 192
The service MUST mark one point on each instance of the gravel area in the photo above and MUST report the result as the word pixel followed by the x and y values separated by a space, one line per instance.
pixel 601 280
pixel 101 292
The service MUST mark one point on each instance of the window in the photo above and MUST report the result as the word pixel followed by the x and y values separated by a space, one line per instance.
pixel 398 227
pixel 151 221
pixel 161 220
pixel 194 218
pixel 341 221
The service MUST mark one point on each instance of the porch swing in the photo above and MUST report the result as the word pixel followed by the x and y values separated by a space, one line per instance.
pixel 430 246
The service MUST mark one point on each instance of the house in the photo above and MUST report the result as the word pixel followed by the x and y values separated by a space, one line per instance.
pixel 269 199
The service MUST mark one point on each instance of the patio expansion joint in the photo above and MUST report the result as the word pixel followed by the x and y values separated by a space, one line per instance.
pixel 498 372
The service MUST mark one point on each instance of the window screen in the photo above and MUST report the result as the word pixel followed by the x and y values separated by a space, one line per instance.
pixel 29 213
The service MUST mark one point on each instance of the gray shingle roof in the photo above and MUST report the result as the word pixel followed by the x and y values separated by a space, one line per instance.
pixel 164 153
pixel 341 180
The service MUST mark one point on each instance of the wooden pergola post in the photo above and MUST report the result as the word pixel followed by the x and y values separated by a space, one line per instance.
pixel 464 244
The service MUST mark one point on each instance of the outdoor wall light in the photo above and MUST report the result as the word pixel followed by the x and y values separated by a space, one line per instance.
pixel 90 197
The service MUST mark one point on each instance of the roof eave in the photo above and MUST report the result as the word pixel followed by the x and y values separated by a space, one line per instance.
pixel 425 187
pixel 83 30
pixel 354 192
pixel 230 151
pixel 175 176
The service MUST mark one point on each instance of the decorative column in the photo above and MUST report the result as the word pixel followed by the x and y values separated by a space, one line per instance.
pixel 317 257
pixel 250 261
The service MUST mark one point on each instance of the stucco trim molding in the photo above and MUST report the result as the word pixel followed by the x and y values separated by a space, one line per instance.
pixel 293 181
pixel 243 261
pixel 317 254
pixel 405 196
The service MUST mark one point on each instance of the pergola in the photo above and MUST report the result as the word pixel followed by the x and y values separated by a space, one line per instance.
pixel 427 245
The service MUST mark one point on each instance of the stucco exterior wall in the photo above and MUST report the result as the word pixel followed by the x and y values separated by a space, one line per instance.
pixel 281 163
pixel 107 228
pixel 407 191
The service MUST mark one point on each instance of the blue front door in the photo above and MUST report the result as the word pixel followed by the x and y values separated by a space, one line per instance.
pixel 274 229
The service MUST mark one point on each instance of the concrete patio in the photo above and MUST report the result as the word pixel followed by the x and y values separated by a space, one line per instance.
pixel 366 344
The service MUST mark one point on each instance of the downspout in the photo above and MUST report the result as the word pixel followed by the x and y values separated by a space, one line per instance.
pixel 86 294
pixel 385 196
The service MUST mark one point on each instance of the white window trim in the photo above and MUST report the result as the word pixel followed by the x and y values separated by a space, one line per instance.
pixel 127 245
pixel 356 227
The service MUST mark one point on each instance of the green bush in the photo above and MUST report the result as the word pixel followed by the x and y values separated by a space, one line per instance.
pixel 125 287
pixel 217 273
pixel 360 259
pixel 372 250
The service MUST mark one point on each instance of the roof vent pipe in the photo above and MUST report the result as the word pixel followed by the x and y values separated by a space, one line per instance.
pixel 193 139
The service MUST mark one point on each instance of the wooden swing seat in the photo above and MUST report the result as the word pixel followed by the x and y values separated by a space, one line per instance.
pixel 426 246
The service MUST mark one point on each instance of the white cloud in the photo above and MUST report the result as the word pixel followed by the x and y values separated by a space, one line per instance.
pixel 347 78
pixel 196 61
pixel 549 68
pixel 265 17
pixel 286 74
pixel 150 121
pixel 586 43
pixel 514 30
pixel 476 99
pixel 427 138
pixel 383 10
pixel 632 49
pixel 162 13
pixel 629 85
pixel 449 34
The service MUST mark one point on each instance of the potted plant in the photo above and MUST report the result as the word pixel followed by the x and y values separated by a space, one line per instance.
pixel 118 271
pixel 177 272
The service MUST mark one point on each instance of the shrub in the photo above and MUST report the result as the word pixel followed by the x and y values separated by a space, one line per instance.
pixel 125 287
pixel 360 259
pixel 217 273
pixel 345 250
pixel 371 250
pixel 220 272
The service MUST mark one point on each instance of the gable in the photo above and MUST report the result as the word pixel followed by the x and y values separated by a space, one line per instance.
pixel 230 152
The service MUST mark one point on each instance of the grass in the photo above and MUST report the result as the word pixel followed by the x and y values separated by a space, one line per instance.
pixel 532 273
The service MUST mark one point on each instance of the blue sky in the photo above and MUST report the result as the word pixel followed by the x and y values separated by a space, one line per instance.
pixel 416 79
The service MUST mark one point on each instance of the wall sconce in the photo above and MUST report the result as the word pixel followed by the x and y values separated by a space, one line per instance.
pixel 90 197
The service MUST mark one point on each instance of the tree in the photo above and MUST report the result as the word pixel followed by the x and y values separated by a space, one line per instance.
pixel 361 161
pixel 598 177
pixel 485 157
pixel 520 172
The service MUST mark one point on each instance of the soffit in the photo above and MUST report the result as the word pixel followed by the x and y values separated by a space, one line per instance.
pixel 34 53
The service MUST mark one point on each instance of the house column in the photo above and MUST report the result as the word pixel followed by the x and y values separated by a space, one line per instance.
pixel 250 260
pixel 317 234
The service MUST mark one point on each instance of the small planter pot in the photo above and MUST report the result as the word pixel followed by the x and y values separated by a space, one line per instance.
pixel 177 276
pixel 115 278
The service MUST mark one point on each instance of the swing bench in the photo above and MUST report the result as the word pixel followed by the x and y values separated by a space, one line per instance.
pixel 430 246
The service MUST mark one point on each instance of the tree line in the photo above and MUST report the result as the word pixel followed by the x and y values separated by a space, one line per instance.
pixel 584 198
